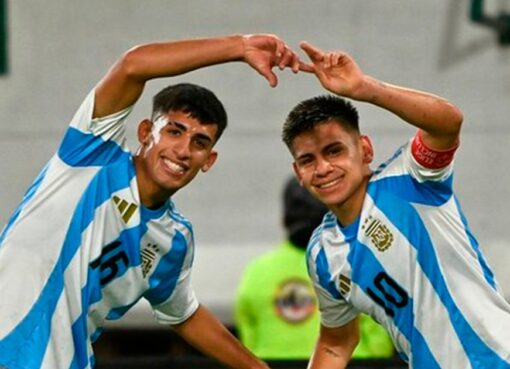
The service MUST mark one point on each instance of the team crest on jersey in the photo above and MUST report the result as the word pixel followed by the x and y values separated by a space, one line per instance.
pixel 294 300
pixel 149 255
pixel 125 208
pixel 344 283
pixel 379 233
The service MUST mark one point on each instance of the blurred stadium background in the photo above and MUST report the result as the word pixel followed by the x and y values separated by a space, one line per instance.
pixel 53 52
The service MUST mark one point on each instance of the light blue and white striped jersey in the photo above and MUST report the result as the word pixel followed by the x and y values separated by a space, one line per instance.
pixel 81 249
pixel 411 262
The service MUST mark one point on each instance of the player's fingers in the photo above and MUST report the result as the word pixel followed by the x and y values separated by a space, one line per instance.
pixel 269 75
pixel 315 54
pixel 328 58
pixel 295 63
pixel 279 51
pixel 308 68
pixel 335 58
pixel 286 59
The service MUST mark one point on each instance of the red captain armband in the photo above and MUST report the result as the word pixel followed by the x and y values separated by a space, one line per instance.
pixel 431 158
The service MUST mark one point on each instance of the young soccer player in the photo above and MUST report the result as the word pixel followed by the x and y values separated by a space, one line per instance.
pixel 97 230
pixel 395 244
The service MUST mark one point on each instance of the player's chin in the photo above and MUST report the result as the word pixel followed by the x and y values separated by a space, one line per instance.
pixel 331 199
pixel 176 183
pixel 326 197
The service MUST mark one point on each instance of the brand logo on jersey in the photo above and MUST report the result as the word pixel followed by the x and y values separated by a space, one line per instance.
pixel 126 209
pixel 149 255
pixel 379 234
pixel 294 300
pixel 344 283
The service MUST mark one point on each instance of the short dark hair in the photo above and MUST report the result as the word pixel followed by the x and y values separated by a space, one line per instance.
pixel 317 110
pixel 198 101
pixel 302 212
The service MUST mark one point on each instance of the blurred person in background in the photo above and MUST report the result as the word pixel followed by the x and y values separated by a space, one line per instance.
pixel 276 311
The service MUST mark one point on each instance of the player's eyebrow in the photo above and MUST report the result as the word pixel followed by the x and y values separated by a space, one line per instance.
pixel 179 125
pixel 184 128
pixel 303 156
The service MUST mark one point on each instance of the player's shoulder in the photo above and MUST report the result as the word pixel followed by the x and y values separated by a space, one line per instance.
pixel 394 165
pixel 319 236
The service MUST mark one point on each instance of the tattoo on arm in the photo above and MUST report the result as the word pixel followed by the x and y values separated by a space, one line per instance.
pixel 331 352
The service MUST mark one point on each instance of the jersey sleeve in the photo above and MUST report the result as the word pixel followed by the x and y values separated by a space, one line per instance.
pixel 94 142
pixel 334 310
pixel 182 303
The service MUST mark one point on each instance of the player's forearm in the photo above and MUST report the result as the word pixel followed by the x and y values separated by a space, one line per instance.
pixel 155 60
pixel 125 81
pixel 335 346
pixel 206 333
pixel 426 111
pixel 326 357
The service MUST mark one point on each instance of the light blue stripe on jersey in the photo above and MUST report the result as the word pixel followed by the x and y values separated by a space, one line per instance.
pixel 162 286
pixel 407 220
pixel 79 329
pixel 487 272
pixel 361 258
pixel 91 292
pixel 94 336
pixel 79 149
pixel 26 199
pixel 146 215
pixel 44 307
pixel 118 312
pixel 407 188
pixel 311 244
pixel 325 279
pixel 321 262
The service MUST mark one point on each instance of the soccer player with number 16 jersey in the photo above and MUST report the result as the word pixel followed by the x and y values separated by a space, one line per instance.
pixel 97 230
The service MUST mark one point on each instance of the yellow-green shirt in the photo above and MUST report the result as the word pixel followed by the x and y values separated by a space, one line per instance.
pixel 276 310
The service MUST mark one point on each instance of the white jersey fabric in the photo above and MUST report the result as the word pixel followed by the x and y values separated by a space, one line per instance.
pixel 81 249
pixel 411 262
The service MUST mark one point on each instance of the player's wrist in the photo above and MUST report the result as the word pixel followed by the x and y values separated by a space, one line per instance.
pixel 367 89
pixel 237 46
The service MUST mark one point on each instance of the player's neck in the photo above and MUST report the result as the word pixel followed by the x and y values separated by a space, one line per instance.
pixel 152 196
pixel 348 211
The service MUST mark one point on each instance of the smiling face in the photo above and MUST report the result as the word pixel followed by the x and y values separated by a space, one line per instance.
pixel 173 149
pixel 333 164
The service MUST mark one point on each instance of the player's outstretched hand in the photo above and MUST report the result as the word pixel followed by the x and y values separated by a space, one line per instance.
pixel 263 52
pixel 337 71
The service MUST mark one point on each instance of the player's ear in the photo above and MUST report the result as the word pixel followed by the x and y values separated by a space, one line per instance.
pixel 144 132
pixel 213 155
pixel 368 150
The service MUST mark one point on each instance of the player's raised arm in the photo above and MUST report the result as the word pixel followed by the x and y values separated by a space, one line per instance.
pixel 439 120
pixel 124 82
